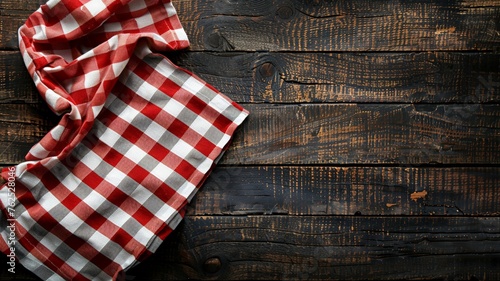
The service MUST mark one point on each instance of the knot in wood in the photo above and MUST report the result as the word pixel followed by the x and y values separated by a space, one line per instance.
pixel 214 40
pixel 212 265
pixel 285 12
pixel 267 69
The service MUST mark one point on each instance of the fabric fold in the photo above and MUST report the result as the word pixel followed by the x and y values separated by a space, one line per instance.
pixel 136 138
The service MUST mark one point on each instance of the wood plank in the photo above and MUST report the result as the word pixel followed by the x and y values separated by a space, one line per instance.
pixel 364 25
pixel 274 25
pixel 366 208
pixel 16 84
pixel 329 190
pixel 440 77
pixel 329 248
pixel 368 134
pixel 13 14
pixel 21 126
pixel 349 77
pixel 322 247
pixel 344 134
pixel 20 6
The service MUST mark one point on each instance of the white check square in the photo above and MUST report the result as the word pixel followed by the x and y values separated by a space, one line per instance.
pixel 146 90
pixel 201 125
pixel 145 20
pixel 69 24
pixel 95 7
pixel 193 85
pixel 71 222
pixel 135 154
pixel 182 149
pixel 92 78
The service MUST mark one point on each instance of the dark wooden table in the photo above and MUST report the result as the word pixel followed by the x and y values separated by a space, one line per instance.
pixel 372 150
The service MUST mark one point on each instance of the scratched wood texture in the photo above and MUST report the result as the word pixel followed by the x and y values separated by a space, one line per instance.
pixel 304 77
pixel 371 152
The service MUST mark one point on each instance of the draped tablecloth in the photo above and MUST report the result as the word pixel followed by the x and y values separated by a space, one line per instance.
pixel 137 136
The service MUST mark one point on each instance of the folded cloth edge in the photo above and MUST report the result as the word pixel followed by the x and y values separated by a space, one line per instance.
pixel 74 113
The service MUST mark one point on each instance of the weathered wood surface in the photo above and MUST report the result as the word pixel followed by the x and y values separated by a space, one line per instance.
pixel 298 25
pixel 324 247
pixel 21 126
pixel 437 77
pixel 311 190
pixel 368 134
pixel 331 134
pixel 364 25
pixel 16 85
pixel 371 151
pixel 330 248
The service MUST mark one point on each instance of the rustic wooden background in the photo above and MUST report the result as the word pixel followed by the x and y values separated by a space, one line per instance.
pixel 372 150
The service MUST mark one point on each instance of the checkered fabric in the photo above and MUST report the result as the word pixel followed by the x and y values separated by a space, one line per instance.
pixel 136 138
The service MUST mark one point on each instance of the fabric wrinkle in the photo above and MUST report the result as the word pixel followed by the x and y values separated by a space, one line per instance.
pixel 136 139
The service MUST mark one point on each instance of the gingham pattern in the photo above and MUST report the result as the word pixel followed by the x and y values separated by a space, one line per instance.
pixel 136 138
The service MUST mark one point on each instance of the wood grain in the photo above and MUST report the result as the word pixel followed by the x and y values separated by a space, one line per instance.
pixel 330 248
pixel 21 126
pixel 306 190
pixel 368 134
pixel 439 77
pixel 364 25
pixel 371 151
pixel 13 14
pixel 335 134
pixel 323 248
pixel 276 25
pixel 16 85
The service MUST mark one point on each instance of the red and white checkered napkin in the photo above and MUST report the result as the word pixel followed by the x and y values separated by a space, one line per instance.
pixel 136 138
